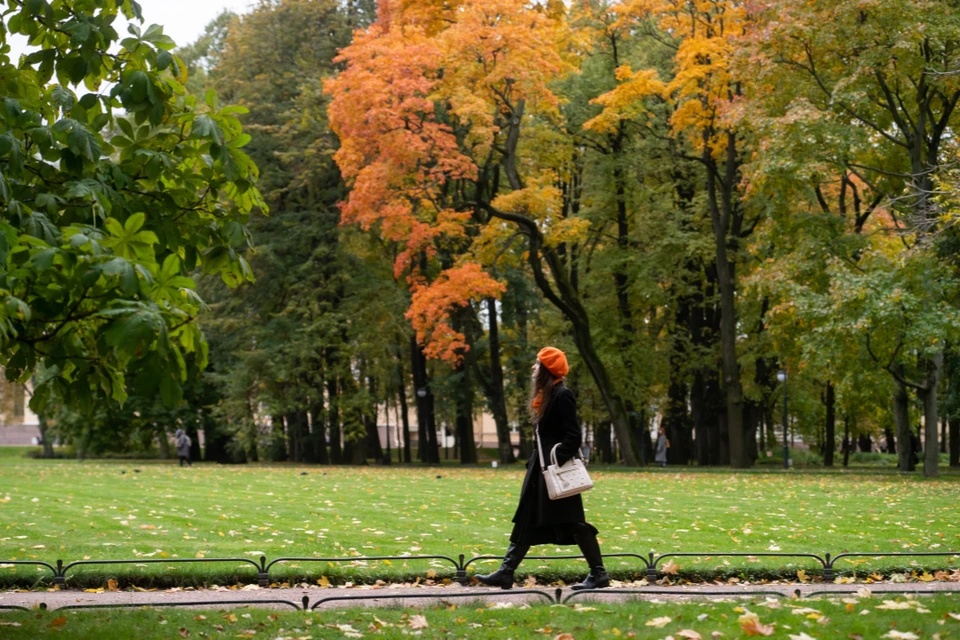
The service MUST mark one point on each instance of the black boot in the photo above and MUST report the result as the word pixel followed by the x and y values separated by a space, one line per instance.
pixel 598 578
pixel 503 577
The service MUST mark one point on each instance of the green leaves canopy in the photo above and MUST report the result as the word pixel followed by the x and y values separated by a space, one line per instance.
pixel 113 184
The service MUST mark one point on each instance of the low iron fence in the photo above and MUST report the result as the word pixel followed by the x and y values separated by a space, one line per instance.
pixel 649 563
pixel 554 597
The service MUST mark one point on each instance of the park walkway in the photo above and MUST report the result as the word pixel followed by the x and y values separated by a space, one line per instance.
pixel 423 596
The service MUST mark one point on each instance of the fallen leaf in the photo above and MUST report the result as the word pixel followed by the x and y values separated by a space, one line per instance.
pixel 112 585
pixel 184 633
pixel 660 622
pixel 901 635
pixel 893 604
pixel 530 582
pixel 58 622
pixel 801 636
pixel 230 617
pixel 802 576
pixel 670 568
pixel 418 622
pixel 955 616
pixel 689 633
pixel 751 625
pixel 324 581
pixel 564 636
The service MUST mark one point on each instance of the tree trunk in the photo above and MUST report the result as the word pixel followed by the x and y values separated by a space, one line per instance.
pixel 614 403
pixel 333 420
pixel 45 438
pixel 891 440
pixel 675 420
pixel 496 397
pixel 901 416
pixel 294 436
pixel 830 425
pixel 426 416
pixel 726 279
pixel 698 415
pixel 846 440
pixel 404 412
pixel 560 292
pixel 601 442
pixel 943 434
pixel 954 441
pixel 318 431
pixel 464 416
pixel 931 421
pixel 374 448
pixel 865 443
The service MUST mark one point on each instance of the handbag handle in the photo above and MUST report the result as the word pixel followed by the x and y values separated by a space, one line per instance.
pixel 553 452
pixel 553 455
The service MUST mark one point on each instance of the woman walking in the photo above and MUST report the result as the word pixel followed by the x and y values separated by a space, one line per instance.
pixel 540 520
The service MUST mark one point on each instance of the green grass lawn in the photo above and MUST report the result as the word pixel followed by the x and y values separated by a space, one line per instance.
pixel 851 617
pixel 108 510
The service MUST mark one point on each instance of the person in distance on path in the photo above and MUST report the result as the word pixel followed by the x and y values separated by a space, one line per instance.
pixel 183 447
pixel 540 520
pixel 662 444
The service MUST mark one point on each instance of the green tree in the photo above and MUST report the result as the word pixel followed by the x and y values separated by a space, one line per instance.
pixel 115 184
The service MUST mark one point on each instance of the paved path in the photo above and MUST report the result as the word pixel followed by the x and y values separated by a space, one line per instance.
pixel 406 596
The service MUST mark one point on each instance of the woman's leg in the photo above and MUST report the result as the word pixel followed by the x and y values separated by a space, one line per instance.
pixel 503 577
pixel 586 539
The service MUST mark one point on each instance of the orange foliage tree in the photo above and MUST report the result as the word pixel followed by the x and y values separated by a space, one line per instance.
pixel 448 126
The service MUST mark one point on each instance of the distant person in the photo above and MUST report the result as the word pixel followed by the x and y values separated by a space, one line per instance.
pixel 540 520
pixel 662 444
pixel 183 447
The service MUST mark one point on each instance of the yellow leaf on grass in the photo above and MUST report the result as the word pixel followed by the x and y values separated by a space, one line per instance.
pixel 324 581
pixel 925 577
pixel 690 634
pixel 230 617
pixel 802 576
pixel 431 573
pixel 660 622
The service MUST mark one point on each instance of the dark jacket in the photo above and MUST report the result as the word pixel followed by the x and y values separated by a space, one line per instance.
pixel 540 520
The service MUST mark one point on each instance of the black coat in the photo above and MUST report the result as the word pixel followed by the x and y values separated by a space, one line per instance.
pixel 540 520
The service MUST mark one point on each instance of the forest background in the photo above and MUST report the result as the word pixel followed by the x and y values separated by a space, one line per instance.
pixel 686 196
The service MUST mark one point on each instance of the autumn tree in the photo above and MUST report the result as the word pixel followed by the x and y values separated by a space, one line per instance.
pixel 874 83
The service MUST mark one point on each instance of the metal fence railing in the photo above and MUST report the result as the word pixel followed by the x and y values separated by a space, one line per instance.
pixel 650 563
pixel 553 598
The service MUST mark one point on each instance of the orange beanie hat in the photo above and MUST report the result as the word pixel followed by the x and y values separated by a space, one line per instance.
pixel 554 360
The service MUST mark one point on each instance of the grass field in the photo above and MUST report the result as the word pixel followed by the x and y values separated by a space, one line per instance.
pixel 124 509
pixel 924 617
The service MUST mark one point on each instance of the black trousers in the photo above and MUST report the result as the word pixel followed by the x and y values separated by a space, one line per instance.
pixel 185 459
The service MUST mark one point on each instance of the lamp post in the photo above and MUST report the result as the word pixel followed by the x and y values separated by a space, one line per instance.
pixel 782 377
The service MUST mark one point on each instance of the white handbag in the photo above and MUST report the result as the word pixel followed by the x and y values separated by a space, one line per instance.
pixel 567 480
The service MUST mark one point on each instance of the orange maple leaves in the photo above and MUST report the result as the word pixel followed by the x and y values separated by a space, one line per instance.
pixel 425 69
pixel 432 306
